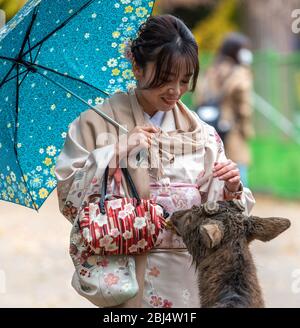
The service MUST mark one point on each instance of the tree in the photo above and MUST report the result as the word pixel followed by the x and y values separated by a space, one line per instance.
pixel 11 7
pixel 269 23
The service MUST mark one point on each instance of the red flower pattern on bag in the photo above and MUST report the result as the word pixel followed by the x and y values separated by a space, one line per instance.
pixel 125 228
pixel 111 279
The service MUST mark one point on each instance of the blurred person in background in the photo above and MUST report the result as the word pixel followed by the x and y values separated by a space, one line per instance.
pixel 227 87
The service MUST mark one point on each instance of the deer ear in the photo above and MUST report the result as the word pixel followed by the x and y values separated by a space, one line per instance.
pixel 266 229
pixel 212 233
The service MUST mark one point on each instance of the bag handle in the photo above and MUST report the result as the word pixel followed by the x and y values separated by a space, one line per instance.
pixel 104 188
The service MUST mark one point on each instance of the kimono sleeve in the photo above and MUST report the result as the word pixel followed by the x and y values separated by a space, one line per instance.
pixel 80 166
pixel 212 188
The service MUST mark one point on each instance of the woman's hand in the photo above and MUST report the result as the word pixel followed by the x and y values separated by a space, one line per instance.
pixel 229 173
pixel 139 139
pixel 135 141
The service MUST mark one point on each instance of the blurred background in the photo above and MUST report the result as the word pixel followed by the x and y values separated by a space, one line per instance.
pixel 276 71
pixel 35 269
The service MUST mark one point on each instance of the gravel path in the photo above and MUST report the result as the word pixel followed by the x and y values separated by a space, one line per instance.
pixel 35 268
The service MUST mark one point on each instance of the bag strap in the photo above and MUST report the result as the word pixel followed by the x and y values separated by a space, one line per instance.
pixel 131 184
pixel 104 188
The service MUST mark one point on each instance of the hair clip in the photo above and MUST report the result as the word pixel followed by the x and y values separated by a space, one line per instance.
pixel 127 51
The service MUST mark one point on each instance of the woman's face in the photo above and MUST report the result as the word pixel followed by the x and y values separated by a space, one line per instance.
pixel 162 98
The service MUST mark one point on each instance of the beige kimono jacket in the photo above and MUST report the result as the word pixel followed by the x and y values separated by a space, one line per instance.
pixel 235 81
pixel 87 151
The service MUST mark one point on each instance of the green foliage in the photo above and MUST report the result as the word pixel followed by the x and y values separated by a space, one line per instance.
pixel 209 33
pixel 275 167
pixel 11 7
pixel 276 158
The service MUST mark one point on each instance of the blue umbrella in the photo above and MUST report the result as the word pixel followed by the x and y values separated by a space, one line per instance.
pixel 57 58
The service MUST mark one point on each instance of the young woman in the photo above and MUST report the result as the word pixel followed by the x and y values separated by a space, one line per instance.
pixel 192 170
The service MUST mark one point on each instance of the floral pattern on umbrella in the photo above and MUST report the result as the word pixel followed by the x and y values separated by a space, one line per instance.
pixel 79 44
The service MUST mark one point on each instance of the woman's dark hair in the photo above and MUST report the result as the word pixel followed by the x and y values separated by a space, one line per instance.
pixel 166 41
pixel 232 44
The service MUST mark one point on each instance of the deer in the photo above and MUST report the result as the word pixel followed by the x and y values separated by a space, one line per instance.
pixel 217 235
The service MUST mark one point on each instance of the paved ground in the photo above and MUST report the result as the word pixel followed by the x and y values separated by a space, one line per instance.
pixel 35 268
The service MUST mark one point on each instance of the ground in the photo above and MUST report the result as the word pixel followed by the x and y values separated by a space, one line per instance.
pixel 35 267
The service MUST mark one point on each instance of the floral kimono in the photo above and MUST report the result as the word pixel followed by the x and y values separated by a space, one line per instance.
pixel 169 278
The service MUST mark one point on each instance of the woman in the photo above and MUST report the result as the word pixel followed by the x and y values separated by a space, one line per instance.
pixel 230 81
pixel 193 170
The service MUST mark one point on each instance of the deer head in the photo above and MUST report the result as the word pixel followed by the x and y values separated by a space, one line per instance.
pixel 207 227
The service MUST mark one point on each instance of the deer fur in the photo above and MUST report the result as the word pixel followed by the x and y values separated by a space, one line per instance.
pixel 217 235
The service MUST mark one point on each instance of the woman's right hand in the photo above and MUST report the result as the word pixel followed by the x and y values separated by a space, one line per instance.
pixel 138 139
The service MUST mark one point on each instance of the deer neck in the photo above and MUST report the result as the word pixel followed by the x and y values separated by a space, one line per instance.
pixel 227 278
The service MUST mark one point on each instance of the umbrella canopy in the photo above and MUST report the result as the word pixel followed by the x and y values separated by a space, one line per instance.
pixel 57 59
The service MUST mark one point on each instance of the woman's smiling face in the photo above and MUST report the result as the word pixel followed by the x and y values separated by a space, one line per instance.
pixel 164 58
pixel 167 93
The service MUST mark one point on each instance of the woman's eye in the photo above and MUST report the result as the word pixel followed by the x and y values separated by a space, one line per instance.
pixel 185 82
pixel 166 81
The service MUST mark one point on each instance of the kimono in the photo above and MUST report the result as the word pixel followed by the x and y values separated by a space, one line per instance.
pixel 169 279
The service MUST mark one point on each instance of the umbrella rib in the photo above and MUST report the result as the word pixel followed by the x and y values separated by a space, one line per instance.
pixel 24 77
pixel 28 41
pixel 34 15
pixel 17 102
pixel 37 53
pixel 7 75
pixel 108 118
pixel 15 139
pixel 28 64
pixel 60 26
pixel 31 66
pixel 31 61
pixel 14 77
pixel 69 77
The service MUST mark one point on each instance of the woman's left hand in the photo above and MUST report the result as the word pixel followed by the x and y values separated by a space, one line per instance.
pixel 229 172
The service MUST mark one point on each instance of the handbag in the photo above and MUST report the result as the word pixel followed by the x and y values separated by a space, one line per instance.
pixel 105 281
pixel 122 225
pixel 210 113
pixel 108 286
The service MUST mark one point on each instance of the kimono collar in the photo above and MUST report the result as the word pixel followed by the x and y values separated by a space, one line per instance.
pixel 188 137
pixel 156 119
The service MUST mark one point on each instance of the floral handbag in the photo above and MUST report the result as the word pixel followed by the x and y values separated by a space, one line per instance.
pixel 120 225
pixel 103 280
